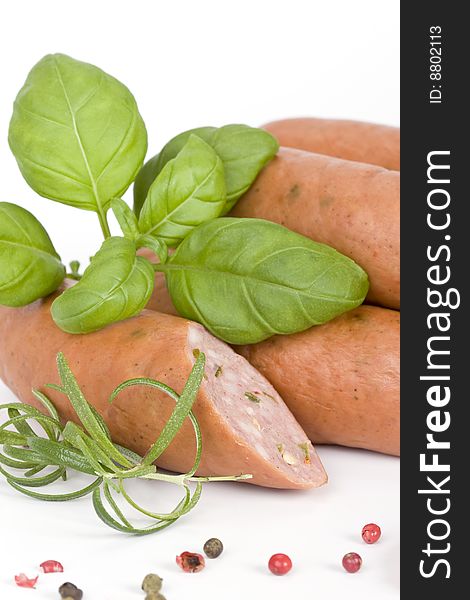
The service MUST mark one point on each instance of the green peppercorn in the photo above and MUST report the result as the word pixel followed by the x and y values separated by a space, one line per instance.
pixel 69 591
pixel 152 583
pixel 154 596
pixel 213 548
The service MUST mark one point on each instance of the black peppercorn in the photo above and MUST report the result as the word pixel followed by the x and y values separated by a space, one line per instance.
pixel 213 548
pixel 69 591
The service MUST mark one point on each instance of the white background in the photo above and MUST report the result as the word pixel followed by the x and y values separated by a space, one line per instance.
pixel 192 63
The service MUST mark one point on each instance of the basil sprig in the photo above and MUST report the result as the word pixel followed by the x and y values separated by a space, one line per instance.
pixel 88 448
pixel 79 139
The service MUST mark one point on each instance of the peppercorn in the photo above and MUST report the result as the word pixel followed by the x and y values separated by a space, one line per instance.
pixel 352 562
pixel 69 591
pixel 152 583
pixel 213 548
pixel 190 562
pixel 371 533
pixel 154 596
pixel 280 564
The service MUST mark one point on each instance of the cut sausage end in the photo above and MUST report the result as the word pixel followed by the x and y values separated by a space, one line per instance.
pixel 272 445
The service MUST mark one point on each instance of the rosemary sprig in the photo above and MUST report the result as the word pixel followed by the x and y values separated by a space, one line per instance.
pixel 88 448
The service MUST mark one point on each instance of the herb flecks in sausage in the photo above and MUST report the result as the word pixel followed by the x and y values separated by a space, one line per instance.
pixel 305 447
pixel 271 397
pixel 218 371
pixel 294 191
pixel 252 397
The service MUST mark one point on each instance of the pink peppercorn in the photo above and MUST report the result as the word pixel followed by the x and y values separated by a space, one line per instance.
pixel 352 562
pixel 280 564
pixel 371 533
pixel 23 580
pixel 191 562
pixel 51 566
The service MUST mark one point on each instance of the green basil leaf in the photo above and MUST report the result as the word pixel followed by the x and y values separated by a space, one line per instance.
pixel 176 144
pixel 76 133
pixel 243 150
pixel 126 218
pixel 189 190
pixel 247 279
pixel 30 268
pixel 116 285
pixel 154 165
pixel 158 247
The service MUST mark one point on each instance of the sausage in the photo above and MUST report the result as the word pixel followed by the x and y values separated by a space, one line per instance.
pixel 341 379
pixel 240 435
pixel 350 140
pixel 160 299
pixel 353 207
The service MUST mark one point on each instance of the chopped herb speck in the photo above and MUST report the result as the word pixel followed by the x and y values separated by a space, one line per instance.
pixel 252 397
pixel 306 448
pixel 269 396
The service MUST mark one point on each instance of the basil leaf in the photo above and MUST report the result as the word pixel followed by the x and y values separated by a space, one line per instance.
pixel 116 285
pixel 243 150
pixel 76 133
pixel 189 190
pixel 30 268
pixel 158 247
pixel 247 279
pixel 176 144
pixel 126 218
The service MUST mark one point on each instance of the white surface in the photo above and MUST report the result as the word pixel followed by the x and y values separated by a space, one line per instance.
pixel 189 64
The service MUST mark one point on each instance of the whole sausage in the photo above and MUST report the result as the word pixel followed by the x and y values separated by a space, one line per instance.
pixel 350 140
pixel 353 207
pixel 341 379
pixel 160 299
pixel 243 419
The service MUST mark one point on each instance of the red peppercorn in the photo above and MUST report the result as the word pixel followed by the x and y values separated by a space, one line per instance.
pixel 371 533
pixel 23 580
pixel 52 566
pixel 352 562
pixel 191 562
pixel 280 564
